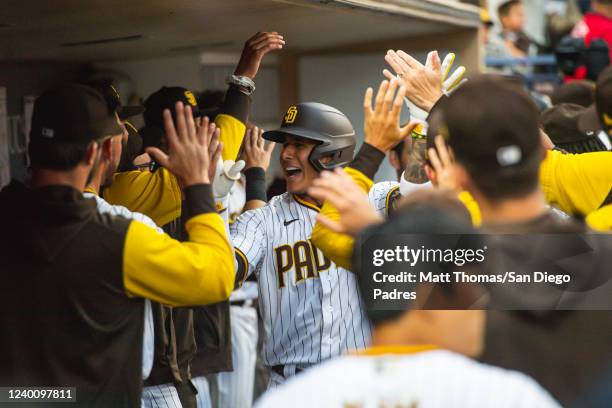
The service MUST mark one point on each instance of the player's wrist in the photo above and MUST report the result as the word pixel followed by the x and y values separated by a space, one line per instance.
pixel 198 200
pixel 368 160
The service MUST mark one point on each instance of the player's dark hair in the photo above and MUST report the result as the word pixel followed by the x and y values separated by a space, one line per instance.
pixel 504 9
pixel 56 156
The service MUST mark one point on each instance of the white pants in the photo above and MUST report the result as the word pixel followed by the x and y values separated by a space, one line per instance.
pixel 164 395
pixel 236 387
pixel 203 398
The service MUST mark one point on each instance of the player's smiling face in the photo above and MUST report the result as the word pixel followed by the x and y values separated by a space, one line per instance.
pixel 298 171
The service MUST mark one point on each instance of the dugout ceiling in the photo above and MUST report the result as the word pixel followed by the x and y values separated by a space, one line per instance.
pixel 96 30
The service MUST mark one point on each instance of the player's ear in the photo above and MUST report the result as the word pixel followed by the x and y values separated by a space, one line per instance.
pixel 394 160
pixel 107 148
pixel 325 159
pixel 92 152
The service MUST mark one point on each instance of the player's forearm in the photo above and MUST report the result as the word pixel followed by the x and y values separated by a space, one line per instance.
pixel 155 194
pixel 255 188
pixel 367 161
pixel 415 170
pixel 197 272
pixel 232 119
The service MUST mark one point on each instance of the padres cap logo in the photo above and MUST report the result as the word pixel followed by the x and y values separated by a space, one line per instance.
pixel 190 98
pixel 291 114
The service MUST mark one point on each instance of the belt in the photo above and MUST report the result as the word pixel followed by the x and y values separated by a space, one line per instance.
pixel 245 302
pixel 280 370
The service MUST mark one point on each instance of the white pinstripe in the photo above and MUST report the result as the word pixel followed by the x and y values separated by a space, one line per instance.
pixel 160 396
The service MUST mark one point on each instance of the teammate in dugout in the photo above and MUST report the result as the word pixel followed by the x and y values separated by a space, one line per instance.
pixel 56 275
pixel 310 307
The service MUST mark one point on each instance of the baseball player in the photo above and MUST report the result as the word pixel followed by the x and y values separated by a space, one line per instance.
pixel 417 358
pixel 310 307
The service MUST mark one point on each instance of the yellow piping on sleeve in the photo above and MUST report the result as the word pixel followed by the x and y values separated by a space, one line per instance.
pixel 472 206
pixel 246 266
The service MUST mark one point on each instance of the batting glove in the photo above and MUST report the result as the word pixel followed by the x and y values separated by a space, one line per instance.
pixel 226 174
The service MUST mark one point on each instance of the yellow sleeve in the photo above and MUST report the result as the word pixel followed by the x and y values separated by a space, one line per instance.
pixel 232 133
pixel 197 272
pixel 338 247
pixel 156 194
pixel 472 207
pixel 576 183
pixel 601 220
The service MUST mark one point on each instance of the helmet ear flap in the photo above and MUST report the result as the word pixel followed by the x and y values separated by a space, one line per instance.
pixel 338 158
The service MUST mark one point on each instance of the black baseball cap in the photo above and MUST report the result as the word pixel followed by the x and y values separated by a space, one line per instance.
pixel 113 100
pixel 492 126
pixel 599 115
pixel 166 98
pixel 72 114
pixel 561 124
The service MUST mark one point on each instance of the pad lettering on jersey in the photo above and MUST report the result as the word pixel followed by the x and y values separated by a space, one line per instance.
pixel 304 258
pixel 284 262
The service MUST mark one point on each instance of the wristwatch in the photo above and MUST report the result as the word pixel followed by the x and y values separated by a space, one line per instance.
pixel 246 84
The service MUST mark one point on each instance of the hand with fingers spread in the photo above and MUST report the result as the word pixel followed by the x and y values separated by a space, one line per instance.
pixel 441 159
pixel 382 123
pixel 423 84
pixel 255 152
pixel 339 189
pixel 450 82
pixel 188 157
pixel 254 50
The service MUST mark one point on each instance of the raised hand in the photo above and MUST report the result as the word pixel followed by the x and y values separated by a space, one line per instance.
pixel 441 159
pixel 423 83
pixel 339 189
pixel 254 50
pixel 255 152
pixel 382 123
pixel 188 156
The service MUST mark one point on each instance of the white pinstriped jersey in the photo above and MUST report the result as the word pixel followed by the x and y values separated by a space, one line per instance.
pixel 379 195
pixel 310 307
pixel 431 379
